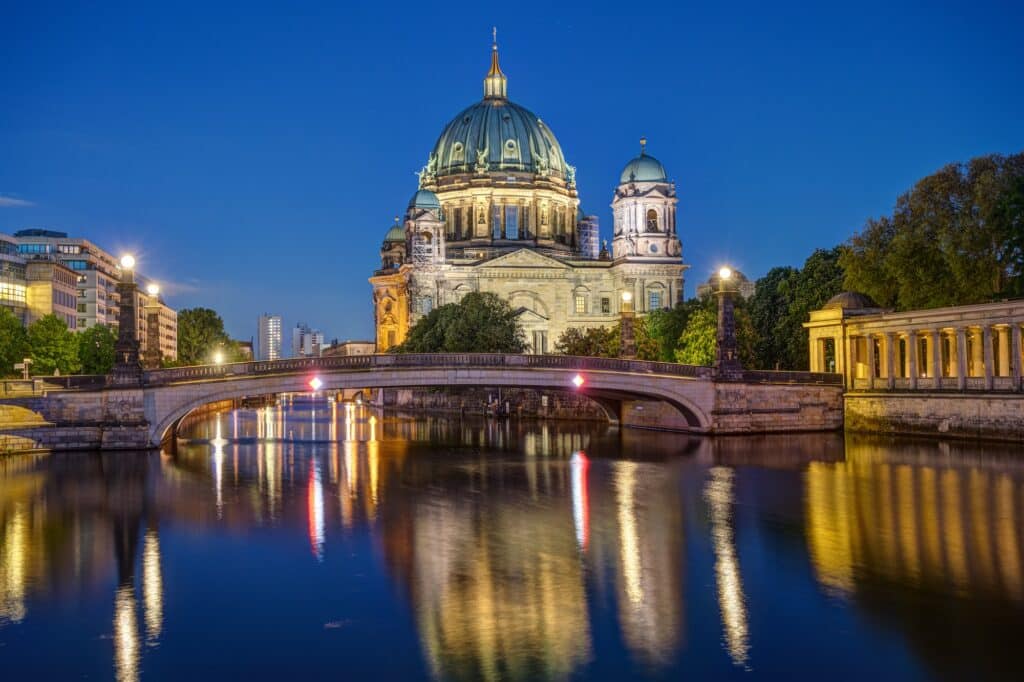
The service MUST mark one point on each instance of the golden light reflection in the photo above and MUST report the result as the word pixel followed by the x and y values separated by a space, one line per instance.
pixel 126 635
pixel 629 543
pixel 939 526
pixel 152 587
pixel 218 444
pixel 731 600
pixel 579 464
pixel 13 566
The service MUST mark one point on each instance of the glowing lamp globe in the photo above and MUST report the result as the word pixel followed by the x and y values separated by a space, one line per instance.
pixel 152 289
pixel 725 273
pixel 218 358
pixel 578 381
pixel 127 261
pixel 627 296
pixel 315 383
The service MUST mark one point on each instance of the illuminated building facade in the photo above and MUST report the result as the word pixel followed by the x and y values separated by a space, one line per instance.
pixel 51 289
pixel 268 337
pixel 497 210
pixel 12 278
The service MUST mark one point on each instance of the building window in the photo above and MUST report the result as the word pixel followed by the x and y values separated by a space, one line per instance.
pixel 606 305
pixel 652 220
pixel 458 153
pixel 654 300
pixel 512 222
pixel 496 222
pixel 426 305
pixel 540 342
pixel 391 338
pixel 581 304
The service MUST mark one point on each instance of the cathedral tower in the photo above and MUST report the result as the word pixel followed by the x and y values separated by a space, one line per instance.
pixel 644 209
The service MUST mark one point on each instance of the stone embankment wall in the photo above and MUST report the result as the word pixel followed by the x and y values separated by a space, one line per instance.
pixel 751 408
pixel 935 414
pixel 520 402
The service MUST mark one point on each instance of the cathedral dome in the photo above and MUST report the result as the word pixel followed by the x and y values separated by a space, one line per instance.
pixel 395 234
pixel 849 299
pixel 497 135
pixel 425 199
pixel 643 168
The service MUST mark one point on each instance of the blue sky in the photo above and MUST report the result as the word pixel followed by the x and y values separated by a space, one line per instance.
pixel 253 157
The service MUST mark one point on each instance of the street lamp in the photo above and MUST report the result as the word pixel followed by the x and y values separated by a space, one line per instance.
pixel 218 358
pixel 727 360
pixel 128 261
pixel 127 370
pixel 627 335
pixel 153 289
pixel 152 357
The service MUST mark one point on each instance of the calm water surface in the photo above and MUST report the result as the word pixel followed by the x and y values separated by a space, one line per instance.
pixel 324 540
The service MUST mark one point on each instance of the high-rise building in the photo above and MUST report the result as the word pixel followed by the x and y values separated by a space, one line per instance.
pixel 306 342
pixel 268 337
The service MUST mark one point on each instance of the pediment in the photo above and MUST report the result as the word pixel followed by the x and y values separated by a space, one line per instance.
pixel 526 315
pixel 525 258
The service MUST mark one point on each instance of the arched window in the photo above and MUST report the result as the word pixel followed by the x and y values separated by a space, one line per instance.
pixel 511 149
pixel 652 220
pixel 458 153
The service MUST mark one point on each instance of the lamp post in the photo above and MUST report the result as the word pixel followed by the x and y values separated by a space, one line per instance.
pixel 127 367
pixel 152 357
pixel 627 335
pixel 727 362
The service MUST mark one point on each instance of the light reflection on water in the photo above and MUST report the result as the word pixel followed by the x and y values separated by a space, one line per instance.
pixel 496 550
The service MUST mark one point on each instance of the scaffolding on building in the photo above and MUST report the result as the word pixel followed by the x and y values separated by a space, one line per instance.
pixel 589 237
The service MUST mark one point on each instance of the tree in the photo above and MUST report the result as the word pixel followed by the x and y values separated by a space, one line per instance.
pixel 663 327
pixel 955 238
pixel 13 342
pixel 599 342
pixel 96 349
pixel 200 334
pixel 697 342
pixel 782 302
pixel 52 346
pixel 479 323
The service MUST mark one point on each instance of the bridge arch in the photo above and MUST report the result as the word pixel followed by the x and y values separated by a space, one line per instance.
pixel 172 394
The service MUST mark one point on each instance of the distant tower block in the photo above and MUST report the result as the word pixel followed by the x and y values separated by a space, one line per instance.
pixel 589 236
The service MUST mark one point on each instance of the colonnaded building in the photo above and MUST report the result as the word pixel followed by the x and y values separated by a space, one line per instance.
pixel 497 210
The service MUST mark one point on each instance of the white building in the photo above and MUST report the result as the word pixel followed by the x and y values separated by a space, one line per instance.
pixel 306 342
pixel 268 337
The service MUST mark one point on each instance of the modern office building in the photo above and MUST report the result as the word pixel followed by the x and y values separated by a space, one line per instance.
pixel 51 288
pixel 13 288
pixel 268 337
pixel 97 270
pixel 166 330
pixel 306 342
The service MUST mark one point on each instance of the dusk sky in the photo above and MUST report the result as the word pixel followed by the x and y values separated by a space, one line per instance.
pixel 253 157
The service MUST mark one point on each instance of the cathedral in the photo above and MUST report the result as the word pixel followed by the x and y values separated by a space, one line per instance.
pixel 497 210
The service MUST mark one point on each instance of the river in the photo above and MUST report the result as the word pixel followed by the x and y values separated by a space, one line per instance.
pixel 324 539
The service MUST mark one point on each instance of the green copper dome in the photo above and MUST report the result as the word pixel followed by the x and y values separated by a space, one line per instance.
pixel 497 135
pixel 426 199
pixel 395 234
pixel 643 169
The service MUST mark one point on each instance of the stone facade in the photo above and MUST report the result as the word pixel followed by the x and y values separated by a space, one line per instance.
pixel 497 210
pixel 992 416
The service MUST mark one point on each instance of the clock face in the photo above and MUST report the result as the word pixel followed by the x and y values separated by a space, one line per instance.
pixel 654 248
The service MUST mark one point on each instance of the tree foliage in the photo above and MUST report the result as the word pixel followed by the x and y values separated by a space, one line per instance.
pixel 698 342
pixel 13 342
pixel 599 342
pixel 200 334
pixel 96 349
pixel 782 302
pixel 52 346
pixel 957 237
pixel 479 323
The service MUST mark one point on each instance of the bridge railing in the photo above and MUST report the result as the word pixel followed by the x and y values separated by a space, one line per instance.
pixel 468 360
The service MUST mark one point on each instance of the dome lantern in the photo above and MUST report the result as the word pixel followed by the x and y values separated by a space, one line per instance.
pixel 495 83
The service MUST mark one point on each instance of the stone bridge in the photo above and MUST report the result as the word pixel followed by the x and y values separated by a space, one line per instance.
pixel 631 392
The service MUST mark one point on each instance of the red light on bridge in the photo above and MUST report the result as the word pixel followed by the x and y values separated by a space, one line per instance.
pixel 578 380
pixel 315 383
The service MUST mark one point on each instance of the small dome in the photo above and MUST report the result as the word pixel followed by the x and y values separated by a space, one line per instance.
pixel 395 234
pixel 849 299
pixel 643 168
pixel 425 199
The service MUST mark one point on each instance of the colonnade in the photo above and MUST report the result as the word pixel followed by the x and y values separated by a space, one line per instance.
pixel 966 357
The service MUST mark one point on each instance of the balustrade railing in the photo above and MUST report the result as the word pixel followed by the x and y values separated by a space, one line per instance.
pixel 469 360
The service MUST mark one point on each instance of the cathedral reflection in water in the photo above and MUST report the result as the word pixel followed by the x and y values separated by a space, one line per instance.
pixel 509 542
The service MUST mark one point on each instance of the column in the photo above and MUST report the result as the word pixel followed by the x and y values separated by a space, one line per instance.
pixel 890 381
pixel 961 358
pixel 912 343
pixel 846 353
pixel 977 368
pixel 870 345
pixel 937 357
pixel 986 342
pixel 1015 342
pixel 1004 351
